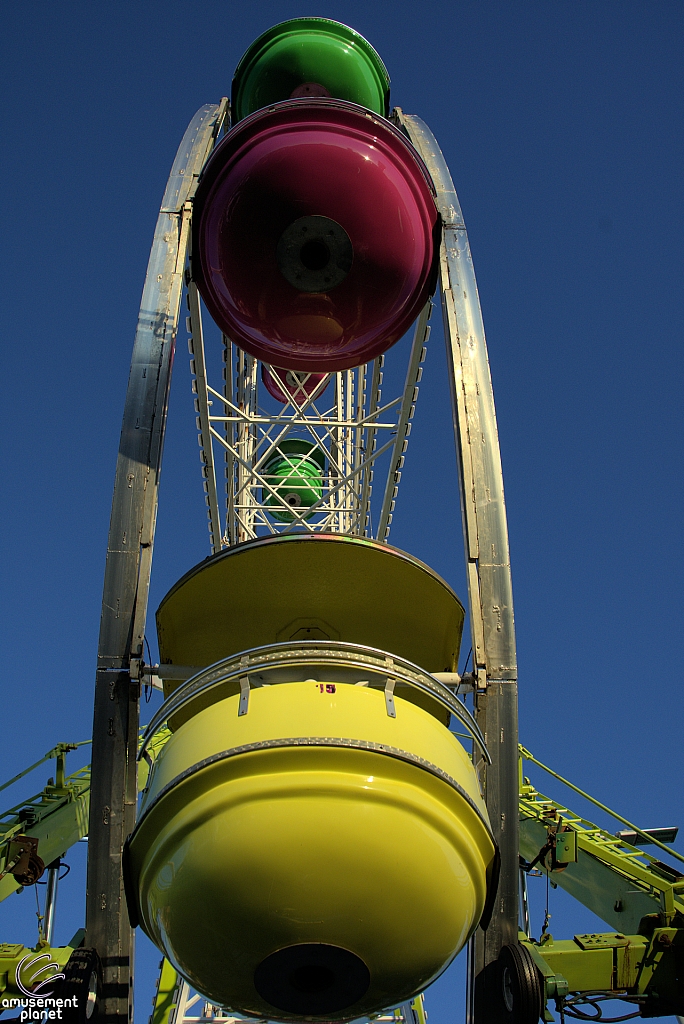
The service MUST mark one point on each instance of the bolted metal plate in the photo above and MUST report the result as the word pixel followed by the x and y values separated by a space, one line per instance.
pixel 566 847
pixel 602 940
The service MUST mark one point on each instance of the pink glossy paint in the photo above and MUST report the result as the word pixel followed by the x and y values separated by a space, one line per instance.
pixel 315 158
pixel 292 385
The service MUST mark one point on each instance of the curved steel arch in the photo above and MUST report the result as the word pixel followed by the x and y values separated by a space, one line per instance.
pixel 127 571
pixel 485 534
pixel 131 538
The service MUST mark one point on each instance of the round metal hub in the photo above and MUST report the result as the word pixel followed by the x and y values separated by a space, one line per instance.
pixel 314 254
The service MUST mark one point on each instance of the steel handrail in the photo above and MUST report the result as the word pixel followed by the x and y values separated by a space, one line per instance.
pixel 307 654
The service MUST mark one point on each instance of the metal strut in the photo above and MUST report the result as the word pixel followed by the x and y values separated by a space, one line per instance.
pixel 487 555
pixel 127 572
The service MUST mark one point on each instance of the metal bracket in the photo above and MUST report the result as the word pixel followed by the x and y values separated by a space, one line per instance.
pixel 243 707
pixel 23 861
pixel 667 907
pixel 389 697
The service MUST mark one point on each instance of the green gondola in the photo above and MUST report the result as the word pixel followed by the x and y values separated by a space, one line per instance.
pixel 295 471
pixel 310 57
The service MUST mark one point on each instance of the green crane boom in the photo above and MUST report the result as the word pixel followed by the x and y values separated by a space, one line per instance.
pixel 626 887
pixel 619 883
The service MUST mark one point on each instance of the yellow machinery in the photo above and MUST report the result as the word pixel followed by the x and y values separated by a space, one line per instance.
pixel 311 797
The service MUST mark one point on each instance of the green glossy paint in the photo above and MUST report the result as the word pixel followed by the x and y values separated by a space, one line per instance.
pixel 309 50
pixel 296 474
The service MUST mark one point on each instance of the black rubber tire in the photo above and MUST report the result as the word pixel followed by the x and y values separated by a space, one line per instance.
pixel 82 982
pixel 520 985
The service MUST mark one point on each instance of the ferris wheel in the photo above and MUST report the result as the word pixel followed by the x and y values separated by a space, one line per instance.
pixel 319 775
pixel 312 224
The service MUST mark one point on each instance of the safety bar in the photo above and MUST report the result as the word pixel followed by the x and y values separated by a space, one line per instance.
pixel 334 660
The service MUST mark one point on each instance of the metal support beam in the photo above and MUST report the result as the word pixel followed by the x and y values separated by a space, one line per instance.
pixel 486 545
pixel 127 572
pixel 51 901
pixel 421 333
pixel 57 817
pixel 199 368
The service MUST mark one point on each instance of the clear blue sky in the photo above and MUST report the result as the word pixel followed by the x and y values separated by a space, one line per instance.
pixel 562 124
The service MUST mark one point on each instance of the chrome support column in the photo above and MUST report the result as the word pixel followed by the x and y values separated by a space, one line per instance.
pixel 487 559
pixel 51 900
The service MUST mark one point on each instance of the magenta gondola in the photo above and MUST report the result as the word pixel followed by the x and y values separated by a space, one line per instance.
pixel 315 235
pixel 296 386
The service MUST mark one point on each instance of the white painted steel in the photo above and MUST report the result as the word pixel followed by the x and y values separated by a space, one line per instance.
pixel 484 513
pixel 421 334
pixel 345 429
pixel 199 368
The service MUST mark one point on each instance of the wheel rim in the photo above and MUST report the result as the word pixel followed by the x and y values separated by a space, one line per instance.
pixel 507 989
pixel 91 997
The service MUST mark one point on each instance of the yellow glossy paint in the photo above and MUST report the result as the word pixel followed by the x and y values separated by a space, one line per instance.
pixel 308 587
pixel 279 846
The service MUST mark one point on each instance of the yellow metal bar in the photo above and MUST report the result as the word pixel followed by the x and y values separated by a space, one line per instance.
pixel 166 999
pixel 597 803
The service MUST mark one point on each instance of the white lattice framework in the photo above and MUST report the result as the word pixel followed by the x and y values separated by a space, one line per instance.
pixel 347 419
